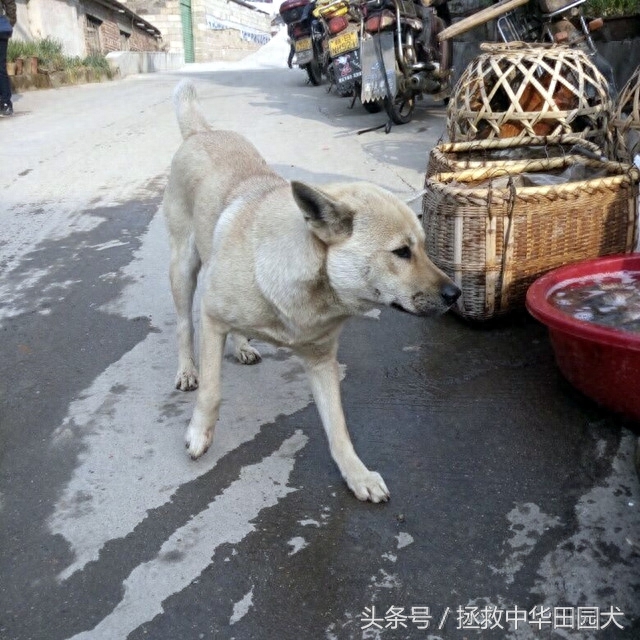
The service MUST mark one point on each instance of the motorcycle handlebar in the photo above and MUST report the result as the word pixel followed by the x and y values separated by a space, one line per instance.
pixel 479 18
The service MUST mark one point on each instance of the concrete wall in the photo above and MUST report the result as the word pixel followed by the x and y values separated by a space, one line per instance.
pixel 22 28
pixel 129 62
pixel 57 19
pixel 619 42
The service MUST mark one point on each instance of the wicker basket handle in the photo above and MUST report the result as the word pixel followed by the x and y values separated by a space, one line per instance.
pixel 517 46
pixel 584 146
pixel 507 252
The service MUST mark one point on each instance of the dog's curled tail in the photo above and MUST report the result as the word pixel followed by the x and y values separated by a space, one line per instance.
pixel 190 116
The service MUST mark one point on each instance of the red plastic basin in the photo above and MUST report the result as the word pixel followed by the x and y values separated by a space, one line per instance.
pixel 602 362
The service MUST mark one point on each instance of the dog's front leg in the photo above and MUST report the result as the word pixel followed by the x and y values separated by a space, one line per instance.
pixel 200 431
pixel 243 351
pixel 325 384
pixel 185 264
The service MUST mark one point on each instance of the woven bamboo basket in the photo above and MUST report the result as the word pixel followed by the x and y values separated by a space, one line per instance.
pixel 494 238
pixel 522 89
pixel 626 120
pixel 506 152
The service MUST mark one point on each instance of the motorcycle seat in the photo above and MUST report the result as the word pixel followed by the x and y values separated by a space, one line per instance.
pixel 293 4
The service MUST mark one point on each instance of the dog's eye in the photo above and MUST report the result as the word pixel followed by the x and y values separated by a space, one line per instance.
pixel 403 252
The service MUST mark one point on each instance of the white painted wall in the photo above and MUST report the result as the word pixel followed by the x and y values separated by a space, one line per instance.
pixel 59 20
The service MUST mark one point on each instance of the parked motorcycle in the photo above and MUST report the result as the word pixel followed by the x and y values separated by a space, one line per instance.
pixel 342 24
pixel 342 43
pixel 306 33
pixel 402 59
pixel 552 21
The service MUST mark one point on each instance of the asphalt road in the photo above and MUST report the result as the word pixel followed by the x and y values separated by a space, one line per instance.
pixel 515 509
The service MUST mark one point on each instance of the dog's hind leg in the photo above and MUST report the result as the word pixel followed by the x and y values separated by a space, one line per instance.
pixel 243 351
pixel 325 385
pixel 200 431
pixel 185 264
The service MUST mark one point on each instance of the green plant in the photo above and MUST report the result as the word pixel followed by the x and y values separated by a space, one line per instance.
pixel 73 62
pixel 49 52
pixel 50 56
pixel 97 62
pixel 49 47
pixel 20 49
pixel 610 8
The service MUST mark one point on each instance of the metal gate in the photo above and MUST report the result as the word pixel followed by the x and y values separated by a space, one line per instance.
pixel 187 30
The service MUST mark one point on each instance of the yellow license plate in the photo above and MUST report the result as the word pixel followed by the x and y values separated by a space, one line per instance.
pixel 343 43
pixel 303 44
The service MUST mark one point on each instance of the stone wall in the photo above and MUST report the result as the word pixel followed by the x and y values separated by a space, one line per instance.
pixel 165 15
pixel 228 30
pixel 222 29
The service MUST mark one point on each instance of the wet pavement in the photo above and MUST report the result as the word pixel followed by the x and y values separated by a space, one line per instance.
pixel 515 503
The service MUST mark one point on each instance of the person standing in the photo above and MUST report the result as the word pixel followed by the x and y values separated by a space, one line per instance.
pixel 9 13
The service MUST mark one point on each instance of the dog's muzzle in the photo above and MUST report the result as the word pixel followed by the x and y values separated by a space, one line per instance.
pixel 450 293
pixel 425 305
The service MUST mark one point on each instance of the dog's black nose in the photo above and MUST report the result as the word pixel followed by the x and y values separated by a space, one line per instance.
pixel 450 293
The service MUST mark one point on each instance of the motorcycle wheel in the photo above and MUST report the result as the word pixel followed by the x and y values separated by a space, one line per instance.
pixel 314 72
pixel 369 107
pixel 400 108
pixel 345 90
pixel 372 107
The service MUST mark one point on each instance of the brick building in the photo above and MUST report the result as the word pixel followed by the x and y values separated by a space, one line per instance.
pixel 86 26
pixel 112 26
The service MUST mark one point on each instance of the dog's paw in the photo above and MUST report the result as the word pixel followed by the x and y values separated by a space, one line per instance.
pixel 247 355
pixel 369 486
pixel 187 379
pixel 198 441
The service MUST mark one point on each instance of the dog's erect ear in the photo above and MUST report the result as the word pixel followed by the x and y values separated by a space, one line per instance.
pixel 329 219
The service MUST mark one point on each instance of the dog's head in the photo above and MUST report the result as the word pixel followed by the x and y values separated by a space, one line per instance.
pixel 375 249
